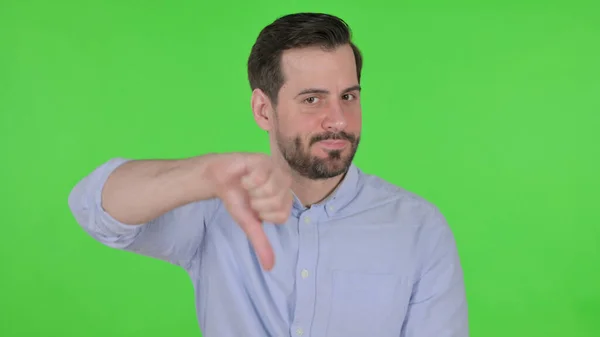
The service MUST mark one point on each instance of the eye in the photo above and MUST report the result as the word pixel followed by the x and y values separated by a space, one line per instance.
pixel 311 100
pixel 348 97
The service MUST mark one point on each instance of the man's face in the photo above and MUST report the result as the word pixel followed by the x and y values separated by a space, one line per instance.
pixel 317 122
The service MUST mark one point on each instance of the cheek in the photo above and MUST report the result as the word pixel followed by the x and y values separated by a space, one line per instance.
pixel 303 127
pixel 354 121
pixel 290 130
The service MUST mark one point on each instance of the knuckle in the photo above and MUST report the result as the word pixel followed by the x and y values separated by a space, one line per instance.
pixel 277 217
pixel 281 217
pixel 268 189
pixel 260 177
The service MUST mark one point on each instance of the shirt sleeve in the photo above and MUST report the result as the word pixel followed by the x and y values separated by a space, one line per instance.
pixel 174 237
pixel 438 306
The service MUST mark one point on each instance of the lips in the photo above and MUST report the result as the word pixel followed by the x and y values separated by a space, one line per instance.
pixel 333 144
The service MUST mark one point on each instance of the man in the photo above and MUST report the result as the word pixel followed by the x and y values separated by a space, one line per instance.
pixel 299 242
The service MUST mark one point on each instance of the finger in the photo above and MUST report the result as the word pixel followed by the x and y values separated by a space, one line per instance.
pixel 239 208
pixel 259 241
pixel 266 189
pixel 278 203
pixel 256 177
pixel 261 245
pixel 275 210
pixel 273 185
pixel 276 217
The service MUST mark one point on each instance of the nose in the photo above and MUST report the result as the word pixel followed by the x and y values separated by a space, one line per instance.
pixel 335 120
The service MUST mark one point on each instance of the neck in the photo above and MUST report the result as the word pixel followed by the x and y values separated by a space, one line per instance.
pixel 310 191
pixel 314 191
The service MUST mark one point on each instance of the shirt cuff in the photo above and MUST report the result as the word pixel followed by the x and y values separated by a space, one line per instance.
pixel 111 224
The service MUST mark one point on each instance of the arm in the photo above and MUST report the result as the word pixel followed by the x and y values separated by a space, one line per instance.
pixel 157 208
pixel 438 306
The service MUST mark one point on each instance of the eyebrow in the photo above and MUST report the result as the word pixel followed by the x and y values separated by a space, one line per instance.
pixel 323 91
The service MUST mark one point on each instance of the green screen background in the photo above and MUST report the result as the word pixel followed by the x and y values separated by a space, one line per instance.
pixel 489 111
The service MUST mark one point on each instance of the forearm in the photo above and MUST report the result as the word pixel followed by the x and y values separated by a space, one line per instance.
pixel 142 190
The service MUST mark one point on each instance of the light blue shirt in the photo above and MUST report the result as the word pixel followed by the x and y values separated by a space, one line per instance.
pixel 373 260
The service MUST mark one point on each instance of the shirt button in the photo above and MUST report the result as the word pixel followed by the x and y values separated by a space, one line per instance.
pixel 304 273
pixel 331 208
pixel 307 220
pixel 299 332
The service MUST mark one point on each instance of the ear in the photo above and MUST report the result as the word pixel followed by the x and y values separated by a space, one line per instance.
pixel 262 109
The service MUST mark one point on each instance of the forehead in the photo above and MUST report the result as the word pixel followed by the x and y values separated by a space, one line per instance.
pixel 316 67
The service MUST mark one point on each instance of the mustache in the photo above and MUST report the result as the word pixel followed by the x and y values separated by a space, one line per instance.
pixel 333 136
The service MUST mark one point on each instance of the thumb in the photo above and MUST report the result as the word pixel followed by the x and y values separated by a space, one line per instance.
pixel 238 205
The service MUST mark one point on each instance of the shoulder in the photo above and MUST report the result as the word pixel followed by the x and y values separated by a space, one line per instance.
pixel 401 205
pixel 418 220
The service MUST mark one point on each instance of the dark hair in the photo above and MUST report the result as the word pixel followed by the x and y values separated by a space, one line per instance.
pixel 294 31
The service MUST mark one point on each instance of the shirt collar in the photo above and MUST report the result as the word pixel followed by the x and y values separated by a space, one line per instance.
pixel 344 193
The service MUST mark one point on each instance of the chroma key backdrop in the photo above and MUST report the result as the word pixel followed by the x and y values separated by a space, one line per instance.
pixel 488 109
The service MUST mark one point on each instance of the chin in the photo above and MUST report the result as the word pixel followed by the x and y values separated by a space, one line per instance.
pixel 333 162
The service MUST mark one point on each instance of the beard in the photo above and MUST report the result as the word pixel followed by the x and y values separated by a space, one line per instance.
pixel 298 156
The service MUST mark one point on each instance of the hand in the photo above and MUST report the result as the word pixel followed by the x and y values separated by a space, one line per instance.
pixel 254 189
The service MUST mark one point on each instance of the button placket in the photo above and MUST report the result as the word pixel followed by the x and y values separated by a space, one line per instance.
pixel 305 287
